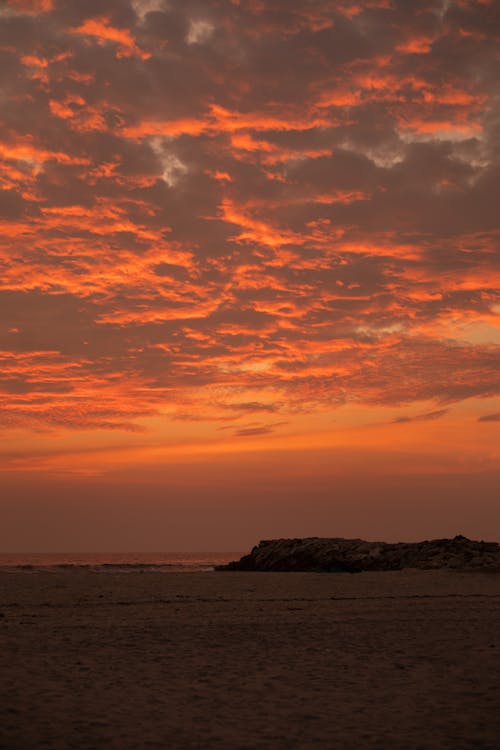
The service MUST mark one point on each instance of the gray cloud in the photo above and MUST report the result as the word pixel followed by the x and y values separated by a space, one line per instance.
pixel 489 418
pixel 296 201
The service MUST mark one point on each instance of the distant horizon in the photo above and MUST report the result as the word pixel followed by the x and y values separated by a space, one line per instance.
pixel 224 552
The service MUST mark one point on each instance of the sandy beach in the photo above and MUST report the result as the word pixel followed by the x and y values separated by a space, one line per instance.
pixel 242 661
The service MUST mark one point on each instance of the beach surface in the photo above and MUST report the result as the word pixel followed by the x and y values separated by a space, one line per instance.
pixel 241 661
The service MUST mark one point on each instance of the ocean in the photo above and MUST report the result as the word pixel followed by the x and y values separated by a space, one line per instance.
pixel 116 562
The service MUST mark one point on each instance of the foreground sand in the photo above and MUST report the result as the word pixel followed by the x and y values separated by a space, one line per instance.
pixel 401 660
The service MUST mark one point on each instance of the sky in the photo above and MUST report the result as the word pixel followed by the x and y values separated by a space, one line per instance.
pixel 248 272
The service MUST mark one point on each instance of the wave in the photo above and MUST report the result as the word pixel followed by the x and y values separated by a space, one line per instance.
pixel 109 568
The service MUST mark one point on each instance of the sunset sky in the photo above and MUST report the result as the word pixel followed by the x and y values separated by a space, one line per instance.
pixel 249 271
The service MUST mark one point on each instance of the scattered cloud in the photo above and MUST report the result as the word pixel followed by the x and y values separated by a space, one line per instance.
pixel 199 32
pixel 254 431
pixel 246 208
pixel 428 416
pixel 489 418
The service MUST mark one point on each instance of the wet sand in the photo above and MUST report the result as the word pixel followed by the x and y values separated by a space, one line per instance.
pixel 233 661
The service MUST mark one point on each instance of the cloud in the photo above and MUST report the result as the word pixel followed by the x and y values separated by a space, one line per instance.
pixel 252 406
pixel 489 418
pixel 200 30
pixel 246 208
pixel 254 431
pixel 30 7
pixel 101 30
pixel 429 416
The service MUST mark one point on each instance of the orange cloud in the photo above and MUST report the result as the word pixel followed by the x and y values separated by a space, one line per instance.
pixel 80 116
pixel 34 61
pixel 255 230
pixel 418 45
pixel 221 120
pixel 327 239
pixel 436 127
pixel 351 8
pixel 271 153
pixel 24 150
pixel 31 7
pixel 101 29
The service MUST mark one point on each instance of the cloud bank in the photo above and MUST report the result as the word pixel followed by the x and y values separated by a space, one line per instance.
pixel 216 210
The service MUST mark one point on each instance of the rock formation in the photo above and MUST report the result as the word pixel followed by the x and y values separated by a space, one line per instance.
pixel 356 555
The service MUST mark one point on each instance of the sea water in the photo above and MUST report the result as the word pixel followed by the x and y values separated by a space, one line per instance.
pixel 116 562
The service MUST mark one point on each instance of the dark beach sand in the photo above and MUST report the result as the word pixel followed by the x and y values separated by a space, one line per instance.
pixel 401 660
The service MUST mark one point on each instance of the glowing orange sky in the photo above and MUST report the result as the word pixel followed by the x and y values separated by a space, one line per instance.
pixel 248 244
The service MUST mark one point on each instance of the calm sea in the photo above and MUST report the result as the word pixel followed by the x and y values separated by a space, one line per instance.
pixel 116 562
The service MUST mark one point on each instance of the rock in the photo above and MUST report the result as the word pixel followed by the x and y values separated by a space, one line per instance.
pixel 356 555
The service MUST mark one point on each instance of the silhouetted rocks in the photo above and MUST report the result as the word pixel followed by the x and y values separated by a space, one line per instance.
pixel 356 555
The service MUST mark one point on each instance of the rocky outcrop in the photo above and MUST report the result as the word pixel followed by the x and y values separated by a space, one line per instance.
pixel 356 555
